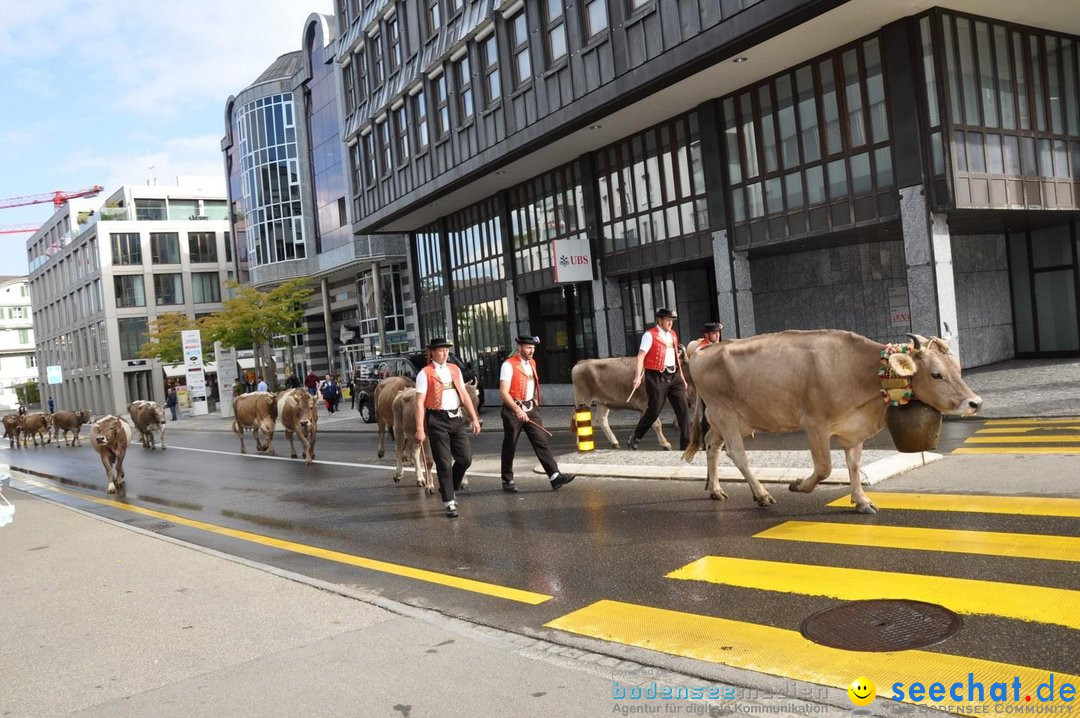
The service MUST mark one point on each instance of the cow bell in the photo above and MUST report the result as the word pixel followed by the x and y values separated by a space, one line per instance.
pixel 914 427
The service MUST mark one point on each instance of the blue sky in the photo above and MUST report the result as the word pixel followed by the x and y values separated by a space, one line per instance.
pixel 98 91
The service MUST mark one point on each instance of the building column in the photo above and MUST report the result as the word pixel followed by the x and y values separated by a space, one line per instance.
pixel 928 256
pixel 517 308
pixel 734 295
pixel 609 317
pixel 376 275
pixel 324 290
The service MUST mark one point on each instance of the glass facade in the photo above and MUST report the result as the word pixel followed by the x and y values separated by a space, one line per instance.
pixel 809 151
pixel 325 151
pixel 270 180
pixel 546 208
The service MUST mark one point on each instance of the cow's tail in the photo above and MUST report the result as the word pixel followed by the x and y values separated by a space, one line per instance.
pixel 271 405
pixel 697 435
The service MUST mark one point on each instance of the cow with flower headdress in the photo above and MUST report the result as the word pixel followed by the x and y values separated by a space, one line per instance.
pixel 828 383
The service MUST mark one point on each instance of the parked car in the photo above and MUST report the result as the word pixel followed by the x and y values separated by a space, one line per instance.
pixel 369 372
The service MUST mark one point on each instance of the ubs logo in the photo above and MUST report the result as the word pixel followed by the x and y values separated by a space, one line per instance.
pixel 566 260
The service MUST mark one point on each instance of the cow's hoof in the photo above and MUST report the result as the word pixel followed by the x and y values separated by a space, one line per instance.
pixel 666 447
pixel 765 499
pixel 616 445
pixel 112 489
pixel 867 508
pixel 381 452
pixel 795 485
pixel 718 495
pixel 397 479
pixel 292 456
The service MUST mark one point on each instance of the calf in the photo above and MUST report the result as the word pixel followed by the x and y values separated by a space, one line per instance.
pixel 609 383
pixel 257 412
pixel 12 427
pixel 37 424
pixel 298 414
pixel 65 421
pixel 148 418
pixel 405 436
pixel 385 393
pixel 110 436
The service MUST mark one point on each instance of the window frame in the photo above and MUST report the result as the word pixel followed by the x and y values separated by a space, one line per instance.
pixel 442 107
pixel 401 134
pixel 551 25
pixel 394 44
pixel 159 280
pixel 377 72
pixel 420 120
pixel 490 69
pixel 466 101
pixel 197 238
pixel 386 149
pixel 519 50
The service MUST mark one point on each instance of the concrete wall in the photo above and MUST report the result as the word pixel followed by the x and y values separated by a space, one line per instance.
pixel 835 288
pixel 983 301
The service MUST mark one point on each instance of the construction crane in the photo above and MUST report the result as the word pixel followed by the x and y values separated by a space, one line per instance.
pixel 17 228
pixel 58 197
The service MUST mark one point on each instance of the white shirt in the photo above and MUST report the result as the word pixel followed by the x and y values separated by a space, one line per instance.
pixel 506 373
pixel 262 386
pixel 450 399
pixel 667 339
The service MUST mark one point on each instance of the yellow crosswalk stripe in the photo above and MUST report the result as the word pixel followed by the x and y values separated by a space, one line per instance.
pixel 1025 429
pixel 971 503
pixel 1041 439
pixel 1009 600
pixel 983 543
pixel 786 653
pixel 1016 450
pixel 1034 420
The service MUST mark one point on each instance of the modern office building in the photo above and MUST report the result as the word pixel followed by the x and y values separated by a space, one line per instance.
pixel 102 270
pixel 883 167
pixel 18 363
pixel 288 191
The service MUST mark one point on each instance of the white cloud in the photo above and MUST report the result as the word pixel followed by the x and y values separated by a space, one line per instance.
pixel 180 156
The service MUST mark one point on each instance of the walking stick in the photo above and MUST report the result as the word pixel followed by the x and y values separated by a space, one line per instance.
pixel 630 394
pixel 541 427
pixel 429 483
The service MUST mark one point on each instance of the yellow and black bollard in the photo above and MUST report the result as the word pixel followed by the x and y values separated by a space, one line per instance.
pixel 583 426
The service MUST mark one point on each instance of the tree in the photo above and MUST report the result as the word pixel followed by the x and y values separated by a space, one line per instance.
pixel 28 394
pixel 163 339
pixel 256 318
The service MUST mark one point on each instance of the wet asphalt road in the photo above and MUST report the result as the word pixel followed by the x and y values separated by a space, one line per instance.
pixel 595 539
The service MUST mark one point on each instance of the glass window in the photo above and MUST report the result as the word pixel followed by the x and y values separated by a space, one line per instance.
pixel 419 103
pixel 875 91
pixel 205 287
pixel 1004 78
pixel 489 54
pixel 837 179
pixel 401 118
pixel 768 129
pixel 393 41
pixel 546 208
pixel 1053 84
pixel 168 289
pixel 519 36
pixel 434 16
pixel 375 49
pixel 929 72
pixel 126 248
pixel 202 246
pixel 385 148
pixel 853 95
pixel 165 247
pixel 969 82
pixel 132 331
pixel 834 141
pixel 463 79
pixel 808 114
pixel 556 31
pixel 129 290
pixel 789 138
pixel 860 174
pixel 986 75
pixel 596 18
pixel 149 209
pixel 442 107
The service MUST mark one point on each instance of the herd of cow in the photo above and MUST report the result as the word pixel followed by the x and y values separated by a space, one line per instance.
pixel 824 383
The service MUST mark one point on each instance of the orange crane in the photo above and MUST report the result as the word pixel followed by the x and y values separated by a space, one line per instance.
pixel 57 197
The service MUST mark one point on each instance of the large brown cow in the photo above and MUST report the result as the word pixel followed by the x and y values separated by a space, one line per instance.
pixel 12 427
pixel 65 421
pixel 385 393
pixel 148 418
pixel 257 412
pixel 823 382
pixel 405 436
pixel 608 383
pixel 110 436
pixel 37 424
pixel 298 414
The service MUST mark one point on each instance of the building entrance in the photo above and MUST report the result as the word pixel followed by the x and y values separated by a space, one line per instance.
pixel 1043 273
pixel 563 319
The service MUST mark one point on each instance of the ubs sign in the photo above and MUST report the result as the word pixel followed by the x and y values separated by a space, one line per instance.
pixel 571 260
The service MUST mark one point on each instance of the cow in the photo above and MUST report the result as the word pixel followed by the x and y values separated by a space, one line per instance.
pixel 824 382
pixel 148 417
pixel 110 436
pixel 65 421
pixel 609 382
pixel 12 427
pixel 37 424
pixel 405 436
pixel 256 411
pixel 299 415
pixel 385 393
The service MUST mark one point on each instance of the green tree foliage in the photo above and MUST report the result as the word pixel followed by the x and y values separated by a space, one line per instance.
pixel 163 339
pixel 253 317
pixel 28 393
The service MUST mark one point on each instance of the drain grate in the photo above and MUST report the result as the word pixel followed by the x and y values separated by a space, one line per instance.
pixel 158 527
pixel 882 625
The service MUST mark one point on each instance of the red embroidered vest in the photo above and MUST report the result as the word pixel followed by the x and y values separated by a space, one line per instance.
pixel 520 381
pixel 433 397
pixel 654 358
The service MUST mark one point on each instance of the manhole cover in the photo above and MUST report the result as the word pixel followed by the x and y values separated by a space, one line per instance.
pixel 882 625
pixel 158 528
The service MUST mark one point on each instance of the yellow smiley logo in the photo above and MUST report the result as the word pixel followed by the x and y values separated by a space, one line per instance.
pixel 862 691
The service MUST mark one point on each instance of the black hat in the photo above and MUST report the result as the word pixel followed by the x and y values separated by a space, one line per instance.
pixel 523 339
pixel 440 343
pixel 713 327
pixel 666 314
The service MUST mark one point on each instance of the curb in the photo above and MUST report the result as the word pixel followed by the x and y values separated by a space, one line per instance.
pixel 871 474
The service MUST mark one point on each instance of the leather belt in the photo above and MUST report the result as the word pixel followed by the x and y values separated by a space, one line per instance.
pixel 526 405
pixel 455 414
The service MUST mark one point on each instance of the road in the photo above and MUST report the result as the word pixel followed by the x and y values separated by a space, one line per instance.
pixel 597 559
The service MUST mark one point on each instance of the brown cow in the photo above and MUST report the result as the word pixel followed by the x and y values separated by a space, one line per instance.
pixel 823 382
pixel 256 411
pixel 110 436
pixel 148 418
pixel 405 436
pixel 385 393
pixel 65 421
pixel 12 427
pixel 37 424
pixel 298 414
pixel 608 383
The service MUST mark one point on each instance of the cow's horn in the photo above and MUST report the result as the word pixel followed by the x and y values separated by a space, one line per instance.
pixel 916 341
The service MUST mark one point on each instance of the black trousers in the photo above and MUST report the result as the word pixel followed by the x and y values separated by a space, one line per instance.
pixel 660 387
pixel 512 428
pixel 450 448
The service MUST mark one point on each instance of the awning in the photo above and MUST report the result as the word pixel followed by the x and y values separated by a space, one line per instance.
pixel 246 363
pixel 176 371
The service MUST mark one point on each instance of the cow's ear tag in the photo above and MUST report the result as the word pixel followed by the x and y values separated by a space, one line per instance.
pixel 902 364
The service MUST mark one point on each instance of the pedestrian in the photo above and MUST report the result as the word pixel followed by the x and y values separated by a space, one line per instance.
pixel 331 393
pixel 658 363
pixel 261 386
pixel 519 387
pixel 52 405
pixel 311 383
pixel 170 401
pixel 440 396
pixel 710 334
pixel 292 381
pixel 22 409
pixel 354 383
